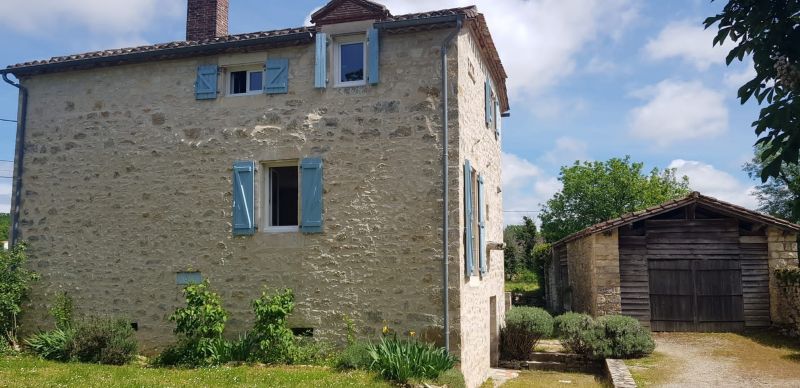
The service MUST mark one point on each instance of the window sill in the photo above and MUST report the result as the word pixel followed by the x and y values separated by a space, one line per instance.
pixel 281 229
pixel 353 84
pixel 258 93
pixel 474 281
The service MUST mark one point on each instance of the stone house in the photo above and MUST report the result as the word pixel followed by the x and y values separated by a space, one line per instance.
pixel 309 158
pixel 691 264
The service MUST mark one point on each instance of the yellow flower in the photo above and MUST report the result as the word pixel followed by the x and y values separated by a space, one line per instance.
pixel 385 330
pixel 411 333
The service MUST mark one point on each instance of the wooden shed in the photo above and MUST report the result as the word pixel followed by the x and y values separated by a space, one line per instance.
pixel 692 264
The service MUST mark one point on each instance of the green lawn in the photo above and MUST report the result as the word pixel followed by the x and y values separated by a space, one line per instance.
pixel 541 379
pixel 26 371
pixel 521 286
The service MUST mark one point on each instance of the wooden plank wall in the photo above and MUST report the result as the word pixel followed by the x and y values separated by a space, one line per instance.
pixel 635 288
pixel 562 273
pixel 755 279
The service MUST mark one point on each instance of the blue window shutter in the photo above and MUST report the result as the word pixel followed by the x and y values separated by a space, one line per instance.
pixel 311 195
pixel 321 64
pixel 205 87
pixel 499 119
pixel 468 216
pixel 487 105
pixel 373 58
pixel 277 77
pixel 187 278
pixel 243 198
pixel 482 225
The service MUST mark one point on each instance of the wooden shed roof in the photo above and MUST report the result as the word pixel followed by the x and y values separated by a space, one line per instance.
pixel 723 207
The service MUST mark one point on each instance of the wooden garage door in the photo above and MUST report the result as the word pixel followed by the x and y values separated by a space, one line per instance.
pixel 696 295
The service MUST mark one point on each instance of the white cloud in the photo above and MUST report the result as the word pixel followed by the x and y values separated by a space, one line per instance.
pixel 525 187
pixel 734 79
pixel 567 151
pixel 708 180
pixel 538 40
pixel 687 41
pixel 113 18
pixel 676 110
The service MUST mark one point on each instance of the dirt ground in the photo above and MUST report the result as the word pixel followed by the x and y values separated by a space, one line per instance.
pixel 759 359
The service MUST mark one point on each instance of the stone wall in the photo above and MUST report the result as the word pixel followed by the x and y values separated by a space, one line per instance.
pixel 478 144
pixel 789 307
pixel 594 274
pixel 606 267
pixel 580 259
pixel 782 253
pixel 128 181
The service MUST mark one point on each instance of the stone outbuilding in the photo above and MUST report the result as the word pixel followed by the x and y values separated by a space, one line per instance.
pixel 691 264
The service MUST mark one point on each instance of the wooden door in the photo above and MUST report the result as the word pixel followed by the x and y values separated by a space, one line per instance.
pixel 696 295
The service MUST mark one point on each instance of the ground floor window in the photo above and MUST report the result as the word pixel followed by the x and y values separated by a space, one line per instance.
pixel 282 197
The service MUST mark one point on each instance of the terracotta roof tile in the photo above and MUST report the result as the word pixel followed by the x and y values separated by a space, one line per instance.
pixel 695 197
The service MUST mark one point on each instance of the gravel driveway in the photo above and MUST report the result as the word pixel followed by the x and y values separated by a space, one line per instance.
pixel 720 360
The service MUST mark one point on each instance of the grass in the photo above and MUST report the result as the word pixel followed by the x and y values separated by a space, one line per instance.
pixel 653 369
pixel 521 286
pixel 541 379
pixel 26 371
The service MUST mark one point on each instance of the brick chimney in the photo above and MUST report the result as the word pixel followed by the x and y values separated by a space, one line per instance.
pixel 206 19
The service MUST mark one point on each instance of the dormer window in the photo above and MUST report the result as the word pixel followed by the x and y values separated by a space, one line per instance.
pixel 350 60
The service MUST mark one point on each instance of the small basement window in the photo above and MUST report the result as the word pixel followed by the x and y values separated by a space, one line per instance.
pixel 246 82
pixel 350 61
pixel 282 197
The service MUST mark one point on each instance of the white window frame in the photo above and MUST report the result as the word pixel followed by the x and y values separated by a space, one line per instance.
pixel 249 70
pixel 338 42
pixel 266 189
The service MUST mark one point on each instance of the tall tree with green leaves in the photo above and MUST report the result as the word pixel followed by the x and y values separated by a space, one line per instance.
pixel 778 196
pixel 520 241
pixel 769 32
pixel 597 191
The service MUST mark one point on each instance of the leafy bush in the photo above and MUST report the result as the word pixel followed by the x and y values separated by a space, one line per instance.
pixel 241 348
pixel 611 336
pixel 62 310
pixel 52 345
pixel 199 326
pixel 524 327
pixel 577 332
pixel 625 338
pixel 104 341
pixel 14 285
pixel 401 360
pixel 276 342
pixel 355 356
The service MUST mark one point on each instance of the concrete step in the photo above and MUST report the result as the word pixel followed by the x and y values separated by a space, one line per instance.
pixel 557 357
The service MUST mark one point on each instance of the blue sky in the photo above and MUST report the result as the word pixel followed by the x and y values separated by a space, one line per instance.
pixel 589 79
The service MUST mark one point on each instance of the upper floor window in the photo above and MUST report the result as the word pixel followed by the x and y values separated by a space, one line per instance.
pixel 350 60
pixel 244 82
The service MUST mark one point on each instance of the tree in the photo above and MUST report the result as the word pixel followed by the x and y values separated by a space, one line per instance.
pixel 5 224
pixel 769 31
pixel 597 191
pixel 778 196
pixel 520 241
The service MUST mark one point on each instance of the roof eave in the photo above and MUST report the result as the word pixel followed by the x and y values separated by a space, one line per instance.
pixel 168 53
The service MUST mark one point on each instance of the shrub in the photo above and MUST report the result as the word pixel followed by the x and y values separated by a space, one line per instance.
pixel 452 378
pixel 199 326
pixel 611 336
pixel 355 356
pixel 523 329
pixel 308 351
pixel 104 341
pixel 275 340
pixel 14 285
pixel 242 348
pixel 62 310
pixel 625 338
pixel 401 360
pixel 52 345
pixel 577 332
